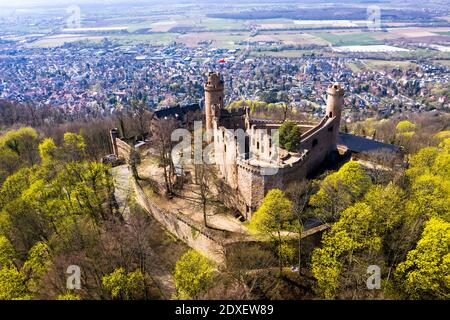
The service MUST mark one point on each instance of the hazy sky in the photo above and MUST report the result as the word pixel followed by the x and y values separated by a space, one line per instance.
pixel 62 3
pixel 26 3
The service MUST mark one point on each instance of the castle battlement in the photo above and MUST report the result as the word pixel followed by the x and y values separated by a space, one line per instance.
pixel 335 90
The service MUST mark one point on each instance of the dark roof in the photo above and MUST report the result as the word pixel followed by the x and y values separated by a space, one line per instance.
pixel 361 144
pixel 177 111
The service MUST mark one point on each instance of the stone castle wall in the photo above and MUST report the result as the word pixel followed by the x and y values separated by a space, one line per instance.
pixel 183 228
pixel 124 150
pixel 251 189
pixel 252 185
pixel 225 155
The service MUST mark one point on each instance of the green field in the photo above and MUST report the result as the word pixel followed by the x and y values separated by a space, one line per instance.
pixel 377 65
pixel 49 42
pixel 282 54
pixel 349 39
pixel 424 54
pixel 443 62
pixel 388 64
pixel 153 38
pixel 213 24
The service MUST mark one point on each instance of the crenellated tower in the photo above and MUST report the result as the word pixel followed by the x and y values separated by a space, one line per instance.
pixel 335 105
pixel 214 96
pixel 114 134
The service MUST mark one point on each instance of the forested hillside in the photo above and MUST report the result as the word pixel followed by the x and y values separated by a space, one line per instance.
pixel 57 208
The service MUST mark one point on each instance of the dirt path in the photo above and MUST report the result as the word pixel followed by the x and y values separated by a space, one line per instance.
pixel 157 265
pixel 123 188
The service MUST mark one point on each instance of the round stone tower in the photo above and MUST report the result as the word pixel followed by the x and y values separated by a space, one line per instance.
pixel 335 105
pixel 335 100
pixel 114 134
pixel 214 94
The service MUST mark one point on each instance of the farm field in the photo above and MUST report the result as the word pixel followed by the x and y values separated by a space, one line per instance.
pixel 59 40
pixel 369 48
pixel 153 38
pixel 282 54
pixel 193 23
pixel 222 24
pixel 349 38
pixel 378 65
pixel 158 32
pixel 388 64
pixel 443 62
pixel 199 22
pixel 290 38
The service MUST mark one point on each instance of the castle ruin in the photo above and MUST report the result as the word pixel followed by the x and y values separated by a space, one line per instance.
pixel 247 155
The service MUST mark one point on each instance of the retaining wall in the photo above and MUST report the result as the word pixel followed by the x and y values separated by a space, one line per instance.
pixel 183 228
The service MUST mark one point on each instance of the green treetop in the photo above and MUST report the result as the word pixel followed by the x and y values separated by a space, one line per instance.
pixel 193 274
pixel 289 136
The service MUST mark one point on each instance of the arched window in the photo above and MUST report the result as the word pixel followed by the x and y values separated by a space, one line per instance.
pixel 331 114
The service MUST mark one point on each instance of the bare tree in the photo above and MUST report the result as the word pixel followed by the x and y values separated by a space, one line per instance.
pixel 300 193
pixel 250 265
pixel 161 138
pixel 205 178
pixel 286 105
pixel 386 164
pixel 142 115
